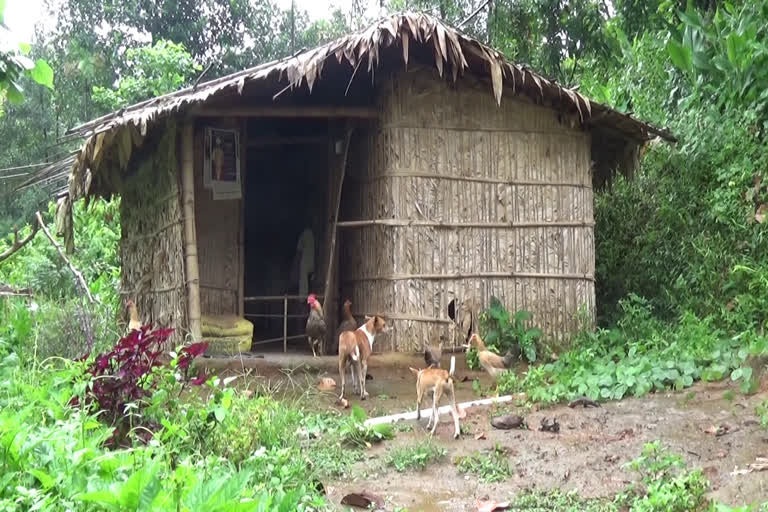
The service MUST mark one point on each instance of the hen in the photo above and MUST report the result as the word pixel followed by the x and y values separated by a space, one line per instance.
pixel 433 353
pixel 134 324
pixel 315 324
pixel 492 363
pixel 347 320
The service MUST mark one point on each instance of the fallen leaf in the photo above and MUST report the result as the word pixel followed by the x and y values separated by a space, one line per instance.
pixel 761 212
pixel 480 436
pixel 491 506
pixel 362 499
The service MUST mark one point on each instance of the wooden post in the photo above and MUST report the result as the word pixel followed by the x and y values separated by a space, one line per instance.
pixel 328 294
pixel 241 257
pixel 285 323
pixel 190 235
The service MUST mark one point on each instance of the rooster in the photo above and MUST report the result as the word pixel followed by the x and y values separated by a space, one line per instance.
pixel 492 363
pixel 315 324
pixel 347 320
pixel 134 324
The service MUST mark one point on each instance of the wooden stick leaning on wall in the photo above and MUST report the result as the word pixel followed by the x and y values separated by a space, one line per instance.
pixel 190 235
pixel 334 229
pixel 79 279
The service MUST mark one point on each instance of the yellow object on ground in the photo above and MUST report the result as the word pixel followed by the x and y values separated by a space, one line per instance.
pixel 226 334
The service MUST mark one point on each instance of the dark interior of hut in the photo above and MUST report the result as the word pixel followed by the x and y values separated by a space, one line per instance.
pixel 285 192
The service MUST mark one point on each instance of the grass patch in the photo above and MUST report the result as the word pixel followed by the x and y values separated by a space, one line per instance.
pixel 490 466
pixel 762 413
pixel 416 456
pixel 557 500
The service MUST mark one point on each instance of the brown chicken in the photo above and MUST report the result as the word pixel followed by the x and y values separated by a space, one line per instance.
pixel 492 363
pixel 433 353
pixel 134 324
pixel 315 324
pixel 348 322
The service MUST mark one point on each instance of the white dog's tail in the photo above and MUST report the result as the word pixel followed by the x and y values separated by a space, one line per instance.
pixel 356 354
pixel 453 365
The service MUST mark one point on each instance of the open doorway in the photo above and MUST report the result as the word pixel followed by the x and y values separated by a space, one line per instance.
pixel 285 193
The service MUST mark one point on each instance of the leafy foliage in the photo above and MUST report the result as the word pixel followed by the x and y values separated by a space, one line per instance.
pixel 503 333
pixel 665 483
pixel 150 71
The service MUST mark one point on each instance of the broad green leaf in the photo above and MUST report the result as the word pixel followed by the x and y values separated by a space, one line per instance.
pixel 15 93
pixel 42 74
pixel 44 478
pixel 681 56
pixel 25 48
pixel 220 413
pixel 105 498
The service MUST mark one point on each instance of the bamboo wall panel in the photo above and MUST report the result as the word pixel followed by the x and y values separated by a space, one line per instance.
pixel 472 200
pixel 152 241
pixel 218 240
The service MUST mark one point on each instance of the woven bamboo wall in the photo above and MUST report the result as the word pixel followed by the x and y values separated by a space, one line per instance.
pixel 152 243
pixel 218 239
pixel 469 199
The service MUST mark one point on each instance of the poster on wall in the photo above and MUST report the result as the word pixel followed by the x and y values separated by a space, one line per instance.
pixel 221 169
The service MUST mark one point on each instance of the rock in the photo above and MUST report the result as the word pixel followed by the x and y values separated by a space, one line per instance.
pixel 507 422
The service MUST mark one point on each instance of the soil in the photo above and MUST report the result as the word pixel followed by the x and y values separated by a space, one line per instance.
pixel 587 455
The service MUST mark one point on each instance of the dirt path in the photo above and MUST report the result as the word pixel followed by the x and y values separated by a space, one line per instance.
pixel 587 455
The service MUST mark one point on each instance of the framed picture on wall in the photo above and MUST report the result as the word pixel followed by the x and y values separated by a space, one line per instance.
pixel 221 169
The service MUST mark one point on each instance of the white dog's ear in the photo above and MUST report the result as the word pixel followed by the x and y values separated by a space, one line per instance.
pixel 367 317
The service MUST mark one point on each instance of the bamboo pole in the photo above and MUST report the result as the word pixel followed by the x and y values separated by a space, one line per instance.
pixel 285 324
pixel 294 112
pixel 190 235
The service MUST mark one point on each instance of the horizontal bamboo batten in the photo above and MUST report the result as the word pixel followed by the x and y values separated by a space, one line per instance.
pixel 470 275
pixel 456 225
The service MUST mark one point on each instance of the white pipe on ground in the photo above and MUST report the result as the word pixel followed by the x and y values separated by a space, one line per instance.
pixel 427 413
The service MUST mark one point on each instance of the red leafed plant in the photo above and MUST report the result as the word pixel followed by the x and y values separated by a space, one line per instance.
pixel 123 375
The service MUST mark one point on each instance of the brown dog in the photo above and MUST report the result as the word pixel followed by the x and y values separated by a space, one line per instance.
pixel 356 346
pixel 437 381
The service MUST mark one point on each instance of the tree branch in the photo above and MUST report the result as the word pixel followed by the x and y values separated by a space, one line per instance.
pixel 18 244
pixel 79 279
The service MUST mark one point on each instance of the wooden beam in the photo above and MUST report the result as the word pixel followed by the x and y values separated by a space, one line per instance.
pixel 293 111
pixel 258 142
pixel 190 233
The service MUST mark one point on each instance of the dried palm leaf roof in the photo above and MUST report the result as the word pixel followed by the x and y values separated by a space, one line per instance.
pixel 453 51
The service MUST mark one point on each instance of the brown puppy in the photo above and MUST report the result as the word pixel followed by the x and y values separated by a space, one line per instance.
pixel 437 381
pixel 356 346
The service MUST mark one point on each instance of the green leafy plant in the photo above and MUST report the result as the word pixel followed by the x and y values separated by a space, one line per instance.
pixel 415 456
pixel 503 333
pixel 762 412
pixel 665 483
pixel 491 466
pixel 354 430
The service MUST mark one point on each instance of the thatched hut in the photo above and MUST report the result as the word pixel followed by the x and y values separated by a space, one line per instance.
pixel 428 166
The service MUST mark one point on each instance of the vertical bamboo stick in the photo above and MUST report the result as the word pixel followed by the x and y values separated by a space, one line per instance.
pixel 285 323
pixel 190 236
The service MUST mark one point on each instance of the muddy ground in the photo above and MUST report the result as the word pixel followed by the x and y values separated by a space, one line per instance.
pixel 588 454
